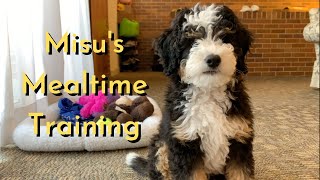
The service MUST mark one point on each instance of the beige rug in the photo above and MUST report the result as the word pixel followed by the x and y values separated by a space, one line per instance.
pixel 286 145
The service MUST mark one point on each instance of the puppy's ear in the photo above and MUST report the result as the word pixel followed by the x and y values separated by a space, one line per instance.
pixel 238 36
pixel 168 45
pixel 245 39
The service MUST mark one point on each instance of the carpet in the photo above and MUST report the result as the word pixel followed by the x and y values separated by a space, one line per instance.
pixel 286 145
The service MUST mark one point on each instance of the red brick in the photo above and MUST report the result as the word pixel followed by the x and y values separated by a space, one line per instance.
pixel 283 64
pixel 291 59
pixel 294 30
pixel 278 21
pixel 309 64
pixel 285 26
pixel 272 26
pixel 285 35
pixel 268 64
pixel 298 45
pixel 298 64
pixel 293 21
pixel 261 69
pixel 270 35
pixel 278 40
pixel 263 50
pixel 308 69
pixel 277 50
pixel 254 64
pixel 263 31
pixel 276 55
pixel 275 59
pixel 290 68
pixel 307 73
pixel 262 60
pixel 298 54
pixel 282 73
pixel 297 73
pixel 268 73
pixel 254 73
pixel 276 69
pixel 278 31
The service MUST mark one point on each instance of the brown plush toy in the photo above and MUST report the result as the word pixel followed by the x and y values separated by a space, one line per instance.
pixel 124 117
pixel 124 109
pixel 111 112
pixel 141 108
pixel 119 110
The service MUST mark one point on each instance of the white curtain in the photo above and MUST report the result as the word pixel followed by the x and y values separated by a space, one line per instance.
pixel 23 25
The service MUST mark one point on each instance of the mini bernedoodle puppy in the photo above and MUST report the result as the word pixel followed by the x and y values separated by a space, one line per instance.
pixel 207 126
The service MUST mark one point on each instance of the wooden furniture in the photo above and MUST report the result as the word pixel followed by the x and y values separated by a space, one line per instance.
pixel 99 31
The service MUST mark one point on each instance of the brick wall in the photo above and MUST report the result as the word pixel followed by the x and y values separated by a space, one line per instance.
pixel 279 47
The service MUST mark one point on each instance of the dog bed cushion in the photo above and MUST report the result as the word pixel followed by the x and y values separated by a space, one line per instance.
pixel 25 138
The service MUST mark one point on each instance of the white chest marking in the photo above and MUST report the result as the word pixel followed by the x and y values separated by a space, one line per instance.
pixel 204 116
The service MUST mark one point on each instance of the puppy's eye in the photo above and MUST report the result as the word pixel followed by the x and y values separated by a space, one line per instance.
pixel 201 30
pixel 194 31
pixel 188 28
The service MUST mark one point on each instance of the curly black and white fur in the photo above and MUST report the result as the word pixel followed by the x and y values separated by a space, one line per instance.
pixel 207 128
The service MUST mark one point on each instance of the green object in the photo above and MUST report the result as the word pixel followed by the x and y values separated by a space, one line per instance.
pixel 106 122
pixel 129 28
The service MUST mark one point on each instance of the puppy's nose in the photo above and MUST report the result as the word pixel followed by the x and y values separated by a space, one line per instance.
pixel 213 60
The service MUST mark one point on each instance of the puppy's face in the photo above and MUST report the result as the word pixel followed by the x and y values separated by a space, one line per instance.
pixel 205 46
pixel 209 63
